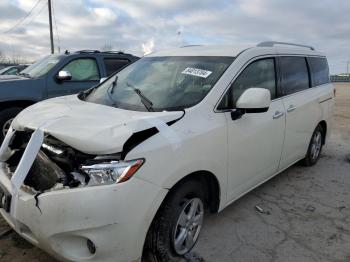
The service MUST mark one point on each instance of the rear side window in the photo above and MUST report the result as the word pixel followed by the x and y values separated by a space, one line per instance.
pixel 113 65
pixel 319 70
pixel 260 73
pixel 295 74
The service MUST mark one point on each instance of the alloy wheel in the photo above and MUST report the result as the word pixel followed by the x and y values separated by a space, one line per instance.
pixel 188 226
pixel 6 127
pixel 316 145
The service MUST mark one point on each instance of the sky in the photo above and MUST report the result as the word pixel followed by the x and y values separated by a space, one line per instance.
pixel 142 26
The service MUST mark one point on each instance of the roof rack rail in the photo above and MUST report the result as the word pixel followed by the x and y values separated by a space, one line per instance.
pixel 273 43
pixel 113 52
pixel 88 51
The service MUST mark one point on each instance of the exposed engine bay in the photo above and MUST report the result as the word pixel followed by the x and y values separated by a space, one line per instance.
pixel 56 166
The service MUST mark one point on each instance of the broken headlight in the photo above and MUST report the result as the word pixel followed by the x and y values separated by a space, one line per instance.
pixel 112 172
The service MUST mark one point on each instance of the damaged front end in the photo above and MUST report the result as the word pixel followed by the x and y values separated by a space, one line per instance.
pixel 59 166
pixel 64 200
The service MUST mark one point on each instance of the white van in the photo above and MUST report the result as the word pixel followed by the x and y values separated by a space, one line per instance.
pixel 129 168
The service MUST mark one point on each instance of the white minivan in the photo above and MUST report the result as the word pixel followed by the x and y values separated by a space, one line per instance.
pixel 128 169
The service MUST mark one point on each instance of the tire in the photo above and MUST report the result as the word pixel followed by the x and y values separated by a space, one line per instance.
pixel 6 117
pixel 170 224
pixel 315 147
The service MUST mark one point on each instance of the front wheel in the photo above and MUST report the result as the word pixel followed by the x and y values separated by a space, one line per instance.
pixel 315 147
pixel 6 117
pixel 176 227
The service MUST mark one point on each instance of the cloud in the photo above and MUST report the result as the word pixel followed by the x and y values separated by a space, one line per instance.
pixel 137 25
pixel 148 47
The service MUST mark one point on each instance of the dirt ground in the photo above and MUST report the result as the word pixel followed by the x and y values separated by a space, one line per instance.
pixel 305 213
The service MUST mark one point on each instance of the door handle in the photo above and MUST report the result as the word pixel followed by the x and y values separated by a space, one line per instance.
pixel 278 114
pixel 291 108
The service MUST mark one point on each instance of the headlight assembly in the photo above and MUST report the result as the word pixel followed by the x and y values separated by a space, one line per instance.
pixel 112 172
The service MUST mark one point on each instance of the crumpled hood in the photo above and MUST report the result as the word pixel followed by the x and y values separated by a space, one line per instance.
pixel 88 127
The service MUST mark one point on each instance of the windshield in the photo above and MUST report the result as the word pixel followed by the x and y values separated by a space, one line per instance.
pixel 4 70
pixel 161 83
pixel 42 66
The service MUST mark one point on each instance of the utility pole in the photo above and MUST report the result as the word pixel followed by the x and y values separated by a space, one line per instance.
pixel 50 20
pixel 347 67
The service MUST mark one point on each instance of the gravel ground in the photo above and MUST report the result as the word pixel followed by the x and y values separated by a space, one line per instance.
pixel 304 213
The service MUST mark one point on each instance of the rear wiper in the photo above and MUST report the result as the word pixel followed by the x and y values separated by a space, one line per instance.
pixel 144 100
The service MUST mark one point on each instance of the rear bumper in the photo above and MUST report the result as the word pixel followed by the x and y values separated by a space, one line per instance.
pixel 114 217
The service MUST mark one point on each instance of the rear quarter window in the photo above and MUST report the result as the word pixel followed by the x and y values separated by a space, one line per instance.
pixel 112 64
pixel 295 74
pixel 319 70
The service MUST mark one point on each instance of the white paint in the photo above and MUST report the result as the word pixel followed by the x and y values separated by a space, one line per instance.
pixel 4 150
pixel 28 158
pixel 241 154
pixel 89 124
pixel 254 98
pixel 166 131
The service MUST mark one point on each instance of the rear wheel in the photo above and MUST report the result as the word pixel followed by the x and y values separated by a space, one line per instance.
pixel 315 147
pixel 177 225
pixel 6 117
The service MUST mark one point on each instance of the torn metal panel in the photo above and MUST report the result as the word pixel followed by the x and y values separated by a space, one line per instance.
pixel 136 139
pixel 54 165
pixel 27 159
pixel 158 127
pixel 101 121
pixel 5 151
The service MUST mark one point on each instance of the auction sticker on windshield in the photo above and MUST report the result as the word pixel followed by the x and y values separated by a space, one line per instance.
pixel 196 72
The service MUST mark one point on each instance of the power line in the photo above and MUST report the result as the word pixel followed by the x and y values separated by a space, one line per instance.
pixel 23 18
pixel 37 14
pixel 58 35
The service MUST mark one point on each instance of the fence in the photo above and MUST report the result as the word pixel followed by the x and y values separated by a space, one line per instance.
pixel 340 78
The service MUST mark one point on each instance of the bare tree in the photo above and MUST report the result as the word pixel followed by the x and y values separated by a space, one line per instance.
pixel 2 57
pixel 13 59
pixel 16 59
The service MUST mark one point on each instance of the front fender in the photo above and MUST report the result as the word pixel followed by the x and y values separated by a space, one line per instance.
pixel 22 90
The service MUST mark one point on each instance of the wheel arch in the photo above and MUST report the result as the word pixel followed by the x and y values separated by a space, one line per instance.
pixel 211 183
pixel 323 124
pixel 16 103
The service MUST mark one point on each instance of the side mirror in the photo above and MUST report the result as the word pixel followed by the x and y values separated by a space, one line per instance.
pixel 103 79
pixel 64 76
pixel 253 100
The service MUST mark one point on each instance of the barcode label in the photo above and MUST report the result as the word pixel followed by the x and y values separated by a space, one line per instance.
pixel 196 72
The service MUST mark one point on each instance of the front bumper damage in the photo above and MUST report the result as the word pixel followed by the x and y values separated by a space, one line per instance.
pixel 115 218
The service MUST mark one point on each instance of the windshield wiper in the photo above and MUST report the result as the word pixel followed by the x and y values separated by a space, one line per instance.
pixel 83 94
pixel 114 84
pixel 144 100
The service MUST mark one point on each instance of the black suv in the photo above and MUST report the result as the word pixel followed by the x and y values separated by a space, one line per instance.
pixel 56 75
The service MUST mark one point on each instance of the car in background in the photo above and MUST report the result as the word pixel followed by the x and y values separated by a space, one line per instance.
pixel 129 168
pixel 56 75
pixel 12 70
